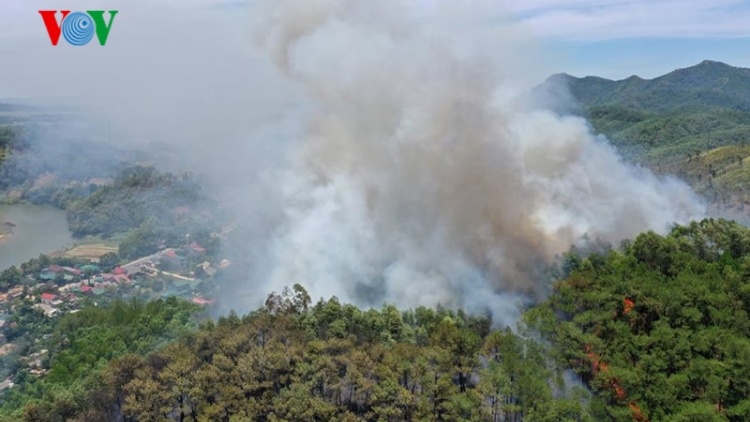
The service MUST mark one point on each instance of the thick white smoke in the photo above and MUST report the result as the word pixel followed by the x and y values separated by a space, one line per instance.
pixel 388 154
pixel 424 177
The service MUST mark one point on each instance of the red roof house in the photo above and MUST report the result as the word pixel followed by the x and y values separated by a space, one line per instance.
pixel 194 246
pixel 48 298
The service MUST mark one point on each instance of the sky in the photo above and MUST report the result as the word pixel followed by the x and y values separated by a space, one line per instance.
pixel 609 38
pixel 619 38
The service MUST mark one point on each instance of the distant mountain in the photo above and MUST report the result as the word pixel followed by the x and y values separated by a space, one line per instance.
pixel 706 84
pixel 692 122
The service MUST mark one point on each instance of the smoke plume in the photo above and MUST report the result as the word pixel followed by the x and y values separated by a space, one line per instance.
pixel 423 175
pixel 378 151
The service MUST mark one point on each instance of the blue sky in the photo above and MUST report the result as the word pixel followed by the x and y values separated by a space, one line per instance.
pixel 609 38
pixel 647 57
pixel 618 38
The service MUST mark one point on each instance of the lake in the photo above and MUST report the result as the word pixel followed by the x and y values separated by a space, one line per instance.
pixel 37 230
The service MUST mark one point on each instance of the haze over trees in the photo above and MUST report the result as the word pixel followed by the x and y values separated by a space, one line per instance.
pixel 292 361
pixel 693 123
pixel 658 330
pixel 660 326
pixel 655 330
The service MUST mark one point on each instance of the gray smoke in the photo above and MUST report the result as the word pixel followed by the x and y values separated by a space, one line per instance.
pixel 423 176
pixel 375 151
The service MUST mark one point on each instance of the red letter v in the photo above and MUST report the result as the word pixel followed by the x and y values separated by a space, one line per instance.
pixel 53 28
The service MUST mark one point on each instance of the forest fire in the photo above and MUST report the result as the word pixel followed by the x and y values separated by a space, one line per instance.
pixel 597 366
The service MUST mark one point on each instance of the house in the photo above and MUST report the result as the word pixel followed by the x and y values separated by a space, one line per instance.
pixel 207 268
pixel 47 298
pixel 171 260
pixel 200 301
pixel 194 249
pixel 72 287
pixel 181 286
pixel 55 269
pixel 116 278
pixel 48 275
pixel 15 292
pixel 2 324
pixel 169 253
pixel 72 271
pixel 48 310
pixel 3 297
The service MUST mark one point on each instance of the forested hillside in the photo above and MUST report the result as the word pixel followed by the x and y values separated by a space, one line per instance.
pixel 331 362
pixel 79 347
pixel 660 330
pixel 707 84
pixel 677 124
pixel 139 195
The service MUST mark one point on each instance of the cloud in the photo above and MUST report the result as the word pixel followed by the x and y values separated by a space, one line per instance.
pixel 598 20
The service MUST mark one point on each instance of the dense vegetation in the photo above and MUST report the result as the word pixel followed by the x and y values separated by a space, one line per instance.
pixel 706 84
pixel 330 362
pixel 139 196
pixel 675 123
pixel 79 347
pixel 656 331
pixel 660 329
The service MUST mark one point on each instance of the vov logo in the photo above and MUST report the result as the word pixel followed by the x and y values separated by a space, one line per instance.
pixel 78 28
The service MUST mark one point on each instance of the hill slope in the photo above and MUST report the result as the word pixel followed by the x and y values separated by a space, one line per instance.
pixel 706 84
pixel 678 123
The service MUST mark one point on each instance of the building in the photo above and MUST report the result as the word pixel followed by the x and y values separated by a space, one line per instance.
pixel 48 298
pixel 207 268
pixel 48 310
pixel 55 269
pixel 15 292
pixel 171 260
pixel 89 267
pixel 200 301
pixel 194 249
pixel 72 271
pixel 47 275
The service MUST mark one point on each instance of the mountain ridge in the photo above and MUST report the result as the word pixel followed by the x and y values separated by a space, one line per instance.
pixel 708 83
pixel 677 123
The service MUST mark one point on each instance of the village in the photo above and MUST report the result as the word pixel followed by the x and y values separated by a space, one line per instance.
pixel 185 272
